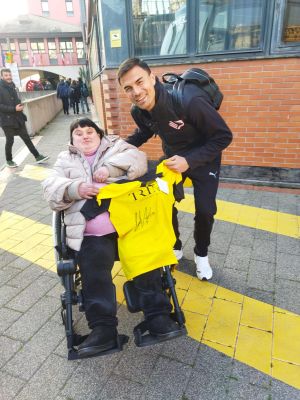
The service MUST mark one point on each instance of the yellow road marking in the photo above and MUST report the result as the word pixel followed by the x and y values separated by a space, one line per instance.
pixel 35 172
pixel 252 217
pixel 258 334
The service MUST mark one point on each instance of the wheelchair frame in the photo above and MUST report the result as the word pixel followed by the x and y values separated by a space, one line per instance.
pixel 68 271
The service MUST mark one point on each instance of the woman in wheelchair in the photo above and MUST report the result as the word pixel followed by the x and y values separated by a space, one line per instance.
pixel 92 160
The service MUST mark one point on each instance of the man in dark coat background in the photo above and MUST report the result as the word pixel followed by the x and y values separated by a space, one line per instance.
pixel 12 119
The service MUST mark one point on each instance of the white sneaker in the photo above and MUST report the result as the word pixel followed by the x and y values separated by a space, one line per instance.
pixel 203 269
pixel 178 254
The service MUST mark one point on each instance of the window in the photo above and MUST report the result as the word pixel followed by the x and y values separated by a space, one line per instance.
pixel 45 7
pixel 80 50
pixel 154 27
pixel 286 27
pixel 69 8
pixel 230 25
pixel 66 46
pixel 24 52
pixel 37 46
pixel 52 52
pixel 291 22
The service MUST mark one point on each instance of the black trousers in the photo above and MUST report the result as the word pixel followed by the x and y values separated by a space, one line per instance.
pixel 205 182
pixel 96 258
pixel 65 102
pixel 10 133
pixel 75 106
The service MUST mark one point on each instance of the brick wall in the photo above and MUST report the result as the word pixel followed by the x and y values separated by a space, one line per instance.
pixel 261 105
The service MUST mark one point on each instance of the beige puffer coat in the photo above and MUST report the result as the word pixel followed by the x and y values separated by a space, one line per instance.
pixel 71 169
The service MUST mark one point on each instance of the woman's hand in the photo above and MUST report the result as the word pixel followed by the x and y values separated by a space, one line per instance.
pixel 101 175
pixel 87 190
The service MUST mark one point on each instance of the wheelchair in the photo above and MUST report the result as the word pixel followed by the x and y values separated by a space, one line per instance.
pixel 68 271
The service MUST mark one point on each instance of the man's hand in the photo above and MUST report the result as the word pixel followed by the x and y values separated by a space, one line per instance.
pixel 177 164
pixel 87 190
pixel 101 175
pixel 19 107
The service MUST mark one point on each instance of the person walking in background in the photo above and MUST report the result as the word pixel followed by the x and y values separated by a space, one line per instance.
pixel 74 94
pixel 12 119
pixel 63 94
pixel 84 94
pixel 193 145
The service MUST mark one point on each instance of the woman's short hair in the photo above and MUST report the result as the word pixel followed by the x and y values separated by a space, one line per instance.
pixel 82 123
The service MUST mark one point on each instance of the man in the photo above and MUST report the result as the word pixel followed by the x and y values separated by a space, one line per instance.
pixel 192 143
pixel 84 94
pixel 62 93
pixel 12 119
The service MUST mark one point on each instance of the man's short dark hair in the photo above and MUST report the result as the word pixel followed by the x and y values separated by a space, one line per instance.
pixel 5 70
pixel 83 122
pixel 130 63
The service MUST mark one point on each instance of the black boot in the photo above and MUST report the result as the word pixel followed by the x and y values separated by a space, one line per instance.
pixel 163 326
pixel 102 338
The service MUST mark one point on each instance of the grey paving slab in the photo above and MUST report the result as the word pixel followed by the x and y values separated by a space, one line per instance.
pixel 261 275
pixel 287 295
pixel 89 378
pixel 20 263
pixel 31 321
pixel 7 273
pixel 118 388
pixel 164 383
pixel 243 236
pixel 238 257
pixel 9 386
pixel 6 258
pixel 35 351
pixel 230 279
pixel 212 361
pixel 262 295
pixel 7 318
pixel 203 386
pixel 287 266
pixel 29 296
pixel 220 242
pixel 288 245
pixel 264 250
pixel 6 293
pixel 26 277
pixel 183 349
pixel 137 364
pixel 281 391
pixel 48 380
pixel 8 348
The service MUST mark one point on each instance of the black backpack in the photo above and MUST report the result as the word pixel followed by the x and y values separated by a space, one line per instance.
pixel 175 85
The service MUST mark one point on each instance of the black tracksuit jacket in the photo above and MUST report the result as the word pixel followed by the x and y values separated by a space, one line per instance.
pixel 202 137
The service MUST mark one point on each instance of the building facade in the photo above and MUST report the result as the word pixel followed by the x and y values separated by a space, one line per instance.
pixel 251 48
pixel 48 43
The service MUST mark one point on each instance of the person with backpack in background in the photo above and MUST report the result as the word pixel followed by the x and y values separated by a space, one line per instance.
pixel 193 139
pixel 84 94
pixel 74 94
pixel 63 94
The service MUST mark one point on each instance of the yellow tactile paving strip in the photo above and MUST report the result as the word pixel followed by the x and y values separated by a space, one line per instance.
pixel 252 217
pixel 258 334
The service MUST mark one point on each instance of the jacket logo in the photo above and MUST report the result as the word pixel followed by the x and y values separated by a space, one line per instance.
pixel 176 124
pixel 214 174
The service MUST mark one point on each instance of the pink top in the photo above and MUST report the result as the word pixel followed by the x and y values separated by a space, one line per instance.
pixel 100 225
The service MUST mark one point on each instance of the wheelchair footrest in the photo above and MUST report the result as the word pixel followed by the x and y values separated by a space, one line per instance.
pixel 143 338
pixel 73 353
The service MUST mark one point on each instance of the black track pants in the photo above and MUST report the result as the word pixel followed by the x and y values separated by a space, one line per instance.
pixel 22 132
pixel 205 182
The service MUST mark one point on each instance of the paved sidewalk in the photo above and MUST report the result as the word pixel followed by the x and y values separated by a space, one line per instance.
pixel 244 325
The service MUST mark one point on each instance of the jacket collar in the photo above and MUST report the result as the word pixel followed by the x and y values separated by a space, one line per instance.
pixel 163 108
